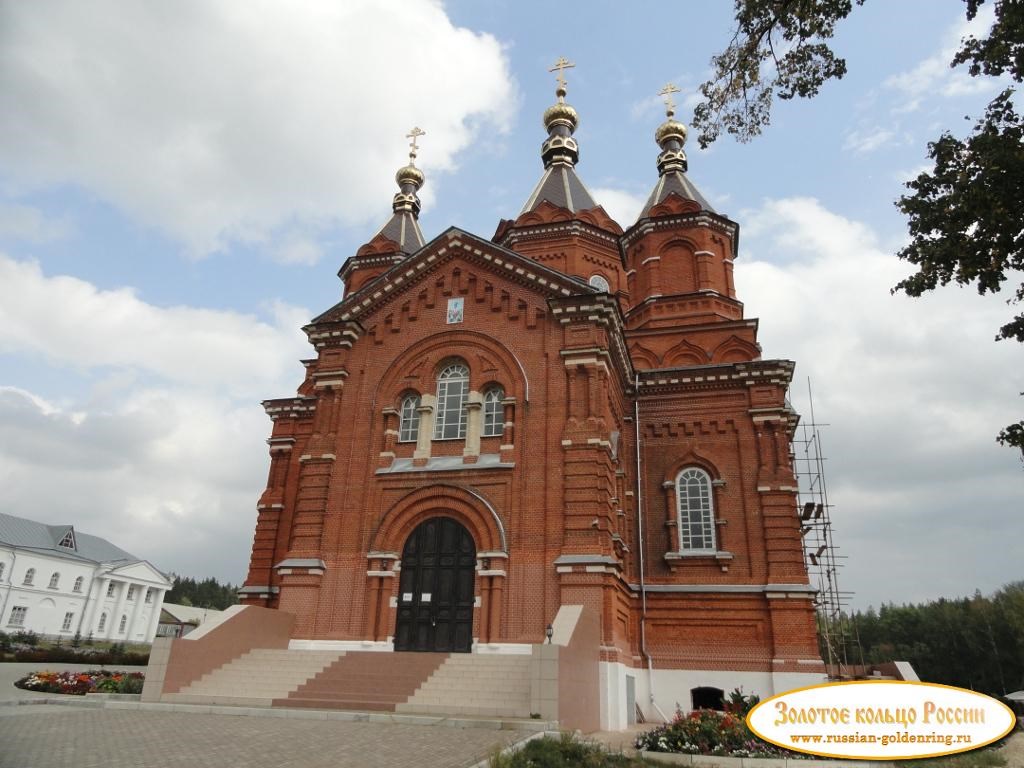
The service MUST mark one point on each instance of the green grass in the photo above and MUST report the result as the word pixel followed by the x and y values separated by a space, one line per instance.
pixel 565 752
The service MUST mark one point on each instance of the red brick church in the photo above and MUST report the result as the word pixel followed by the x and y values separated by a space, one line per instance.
pixel 567 413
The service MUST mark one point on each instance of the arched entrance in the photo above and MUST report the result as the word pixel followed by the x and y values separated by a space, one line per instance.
pixel 435 589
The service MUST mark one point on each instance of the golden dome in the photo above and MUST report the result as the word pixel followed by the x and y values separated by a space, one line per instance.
pixel 410 174
pixel 670 129
pixel 561 112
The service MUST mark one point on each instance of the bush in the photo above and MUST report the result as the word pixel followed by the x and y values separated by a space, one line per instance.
pixel 5 642
pixel 566 752
pixel 28 638
pixel 67 655
pixel 709 732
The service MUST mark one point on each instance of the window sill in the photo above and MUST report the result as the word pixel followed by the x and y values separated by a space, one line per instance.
pixel 447 464
pixel 720 558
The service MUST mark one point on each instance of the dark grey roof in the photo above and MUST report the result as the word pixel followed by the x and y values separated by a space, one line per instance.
pixel 404 229
pixel 562 187
pixel 674 181
pixel 28 534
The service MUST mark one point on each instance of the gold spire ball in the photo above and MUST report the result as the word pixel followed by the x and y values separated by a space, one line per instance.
pixel 410 174
pixel 671 127
pixel 671 136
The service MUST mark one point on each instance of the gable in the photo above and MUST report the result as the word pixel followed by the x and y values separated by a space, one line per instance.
pixel 140 571
pixel 478 265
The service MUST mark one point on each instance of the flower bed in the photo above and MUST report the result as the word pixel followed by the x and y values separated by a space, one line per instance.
pixel 710 732
pixel 81 683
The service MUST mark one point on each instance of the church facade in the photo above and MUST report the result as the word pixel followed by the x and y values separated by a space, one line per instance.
pixel 566 413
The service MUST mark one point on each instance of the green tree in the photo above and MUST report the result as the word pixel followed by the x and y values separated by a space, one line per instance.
pixel 964 215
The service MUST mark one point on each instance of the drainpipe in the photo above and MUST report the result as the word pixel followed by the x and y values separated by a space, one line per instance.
pixel 640 534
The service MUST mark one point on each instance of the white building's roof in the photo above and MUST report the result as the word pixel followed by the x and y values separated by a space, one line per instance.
pixel 188 614
pixel 55 540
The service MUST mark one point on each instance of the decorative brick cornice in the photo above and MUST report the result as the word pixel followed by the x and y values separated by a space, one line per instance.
pixel 716 376
pixel 290 407
pixel 714 221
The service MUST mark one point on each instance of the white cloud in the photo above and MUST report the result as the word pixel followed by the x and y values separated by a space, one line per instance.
pixel 934 77
pixel 869 140
pixel 170 475
pixel 914 390
pixel 72 323
pixel 164 454
pixel 25 222
pixel 220 122
pixel 621 205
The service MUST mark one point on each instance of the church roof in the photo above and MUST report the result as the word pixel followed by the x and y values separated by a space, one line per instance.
pixel 404 229
pixel 23 533
pixel 562 187
pixel 674 182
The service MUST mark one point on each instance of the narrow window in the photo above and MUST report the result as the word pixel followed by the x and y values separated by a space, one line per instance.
pixel 2 565
pixel 68 618
pixel 409 419
pixel 149 595
pixel 110 589
pixel 122 625
pixel 54 581
pixel 494 412
pixel 30 576
pixel 452 390
pixel 18 614
pixel 78 584
pixel 103 622
pixel 696 513
pixel 131 593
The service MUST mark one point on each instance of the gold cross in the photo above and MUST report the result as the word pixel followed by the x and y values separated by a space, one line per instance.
pixel 667 91
pixel 414 134
pixel 561 65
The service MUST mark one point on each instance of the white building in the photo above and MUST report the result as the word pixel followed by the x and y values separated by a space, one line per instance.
pixel 57 581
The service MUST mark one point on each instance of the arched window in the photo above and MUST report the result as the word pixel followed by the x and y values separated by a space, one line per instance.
pixel 696 511
pixel 123 624
pixel 103 622
pixel 54 580
pixel 30 576
pixel 494 412
pixel 452 390
pixel 409 419
pixel 78 584
pixel 598 281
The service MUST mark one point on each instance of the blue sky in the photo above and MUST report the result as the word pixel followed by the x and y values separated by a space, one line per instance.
pixel 178 189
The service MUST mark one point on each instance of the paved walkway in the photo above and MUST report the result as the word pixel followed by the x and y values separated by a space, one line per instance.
pixel 50 736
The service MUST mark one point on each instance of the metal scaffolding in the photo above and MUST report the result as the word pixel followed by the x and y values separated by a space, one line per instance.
pixel 837 633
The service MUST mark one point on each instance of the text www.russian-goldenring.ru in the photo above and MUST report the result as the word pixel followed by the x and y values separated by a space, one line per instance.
pixel 884 740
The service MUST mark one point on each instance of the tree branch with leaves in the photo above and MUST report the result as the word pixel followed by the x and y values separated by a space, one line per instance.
pixel 966 216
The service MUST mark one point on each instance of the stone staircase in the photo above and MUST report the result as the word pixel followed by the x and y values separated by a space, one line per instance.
pixel 483 685
pixel 366 681
pixel 256 678
pixel 475 685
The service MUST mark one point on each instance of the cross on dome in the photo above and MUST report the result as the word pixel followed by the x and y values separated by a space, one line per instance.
pixel 414 134
pixel 667 91
pixel 561 65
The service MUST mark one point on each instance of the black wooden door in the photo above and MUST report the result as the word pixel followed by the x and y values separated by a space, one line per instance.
pixel 435 592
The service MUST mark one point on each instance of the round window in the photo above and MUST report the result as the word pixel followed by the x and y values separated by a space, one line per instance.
pixel 596 281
